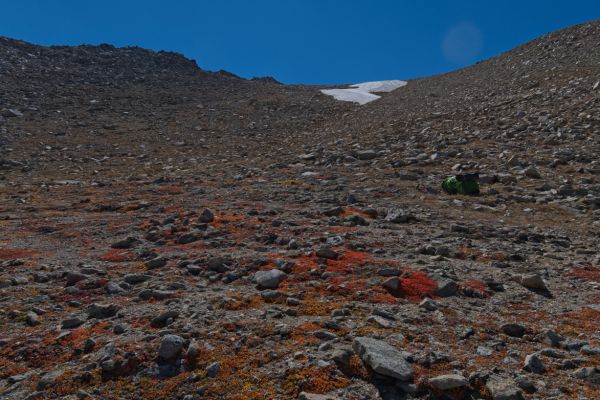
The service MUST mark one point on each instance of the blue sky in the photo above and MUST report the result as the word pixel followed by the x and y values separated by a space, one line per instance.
pixel 302 41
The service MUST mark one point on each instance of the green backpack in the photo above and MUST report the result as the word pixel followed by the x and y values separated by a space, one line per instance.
pixel 461 184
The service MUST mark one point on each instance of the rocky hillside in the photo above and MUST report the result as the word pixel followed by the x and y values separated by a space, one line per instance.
pixel 173 233
pixel 128 95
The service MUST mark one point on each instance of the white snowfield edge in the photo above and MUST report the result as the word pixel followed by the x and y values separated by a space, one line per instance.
pixel 362 93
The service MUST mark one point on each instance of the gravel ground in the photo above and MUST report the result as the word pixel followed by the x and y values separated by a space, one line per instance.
pixel 173 233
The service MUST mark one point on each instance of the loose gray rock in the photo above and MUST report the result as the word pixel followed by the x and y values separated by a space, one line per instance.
pixel 389 272
pixel 551 338
pixel 392 283
pixel 446 288
pixel 162 319
pixel 114 288
pixel 590 350
pixel 447 382
pixel 155 294
pixel 206 216
pixel 134 279
pixel 327 254
pixel 218 264
pixel 32 319
pixel 71 323
pixel 398 216
pixel 157 262
pixel 324 334
pixel 533 281
pixel 101 311
pixel 534 364
pixel 342 357
pixel 125 243
pixel 170 347
pixel 428 304
pixel 532 173
pixel 514 330
pixel 589 374
pixel 382 358
pixel 314 396
pixel 366 154
pixel 48 379
pixel 269 279
pixel 458 228
pixel 503 389
pixel 74 277
pixel 20 377
pixel 525 383
pixel 212 370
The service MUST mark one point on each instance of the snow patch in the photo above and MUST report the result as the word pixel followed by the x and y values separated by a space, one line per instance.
pixel 362 93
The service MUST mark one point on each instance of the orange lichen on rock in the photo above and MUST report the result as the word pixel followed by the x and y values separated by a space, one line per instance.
pixel 239 303
pixel 118 255
pixel 359 289
pixel 384 298
pixel 79 335
pixel 169 189
pixel 302 334
pixel 315 306
pixel 240 377
pixel 152 388
pixel 474 288
pixel 587 272
pixel 10 368
pixel 466 253
pixel 341 229
pixel 357 368
pixel 302 267
pixel 416 285
pixel 221 220
pixel 14 253
pixel 347 260
pixel 585 320
pixel 354 211
pixel 315 380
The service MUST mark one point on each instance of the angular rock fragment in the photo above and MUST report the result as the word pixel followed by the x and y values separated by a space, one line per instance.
pixel 533 363
pixel 514 330
pixel 327 254
pixel 71 323
pixel 446 288
pixel 134 279
pixel 157 262
pixel 448 382
pixel 101 311
pixel 162 319
pixel 382 358
pixel 533 281
pixel 170 347
pixel 74 277
pixel 269 279
pixel 206 216
pixel 392 283
pixel 504 389
pixel 366 154
pixel 125 243
pixel 589 374
pixel 398 216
